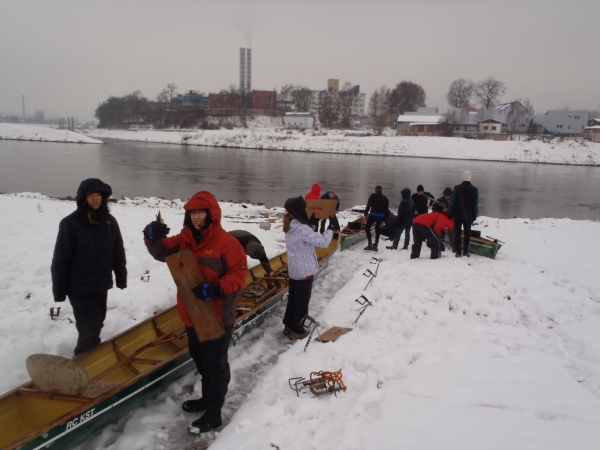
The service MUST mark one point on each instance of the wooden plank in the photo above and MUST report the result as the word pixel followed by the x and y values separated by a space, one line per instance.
pixel 333 334
pixel 322 209
pixel 203 314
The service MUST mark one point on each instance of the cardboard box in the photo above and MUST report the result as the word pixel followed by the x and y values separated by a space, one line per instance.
pixel 322 209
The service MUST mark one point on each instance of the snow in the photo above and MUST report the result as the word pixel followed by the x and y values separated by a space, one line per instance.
pixel 420 119
pixel 42 133
pixel 454 353
pixel 554 152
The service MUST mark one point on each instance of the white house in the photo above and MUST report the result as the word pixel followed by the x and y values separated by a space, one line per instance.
pixel 491 126
pixel 563 122
pixel 298 120
pixel 419 123
pixel 592 133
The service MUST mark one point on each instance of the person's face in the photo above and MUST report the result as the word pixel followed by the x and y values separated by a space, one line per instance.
pixel 94 200
pixel 331 194
pixel 447 197
pixel 420 192
pixel 198 217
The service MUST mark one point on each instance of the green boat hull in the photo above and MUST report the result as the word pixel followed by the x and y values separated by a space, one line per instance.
pixel 482 247
pixel 348 241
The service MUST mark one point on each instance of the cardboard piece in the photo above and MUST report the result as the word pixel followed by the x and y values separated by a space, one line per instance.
pixel 323 209
pixel 333 334
pixel 203 314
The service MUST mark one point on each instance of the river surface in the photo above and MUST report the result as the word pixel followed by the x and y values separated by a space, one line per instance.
pixel 135 169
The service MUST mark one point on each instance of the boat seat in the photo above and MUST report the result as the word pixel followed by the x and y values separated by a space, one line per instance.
pixel 58 375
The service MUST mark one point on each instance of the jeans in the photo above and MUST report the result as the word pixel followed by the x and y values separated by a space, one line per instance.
pixel 402 228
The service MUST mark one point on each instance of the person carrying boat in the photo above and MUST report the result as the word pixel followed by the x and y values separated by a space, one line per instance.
pixel 300 242
pixel 404 220
pixel 254 249
pixel 329 195
pixel 428 227
pixel 421 199
pixel 222 263
pixel 375 212
pixel 89 247
pixel 463 208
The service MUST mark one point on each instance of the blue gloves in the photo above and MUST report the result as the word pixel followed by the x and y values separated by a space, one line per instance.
pixel 208 291
pixel 156 230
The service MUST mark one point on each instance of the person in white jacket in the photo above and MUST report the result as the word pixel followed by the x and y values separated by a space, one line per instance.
pixel 300 240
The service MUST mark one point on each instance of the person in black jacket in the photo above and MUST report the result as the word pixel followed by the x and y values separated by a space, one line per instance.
pixel 463 208
pixel 442 203
pixel 254 249
pixel 406 214
pixel 377 207
pixel 421 199
pixel 89 247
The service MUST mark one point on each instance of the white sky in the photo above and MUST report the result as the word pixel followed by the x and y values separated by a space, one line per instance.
pixel 67 56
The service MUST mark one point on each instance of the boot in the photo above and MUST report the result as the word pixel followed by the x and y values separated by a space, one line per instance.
pixel 467 254
pixel 194 406
pixel 374 248
pixel 208 421
pixel 457 254
pixel 286 331
pixel 369 247
pixel 297 336
pixel 391 247
pixel 405 247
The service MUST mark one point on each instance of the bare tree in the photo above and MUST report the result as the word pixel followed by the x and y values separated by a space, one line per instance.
pixel 286 91
pixel 346 99
pixel 518 118
pixel 302 97
pixel 378 103
pixel 488 91
pixel 460 93
pixel 164 96
pixel 172 87
pixel 406 96
pixel 328 108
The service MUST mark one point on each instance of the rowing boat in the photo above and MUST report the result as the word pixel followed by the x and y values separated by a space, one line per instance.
pixel 128 369
pixel 353 233
pixel 481 246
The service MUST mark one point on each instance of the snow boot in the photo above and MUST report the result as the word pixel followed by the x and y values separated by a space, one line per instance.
pixel 467 254
pixel 369 247
pixel 405 247
pixel 297 336
pixel 194 406
pixel 457 254
pixel 208 421
pixel 374 248
pixel 391 247
pixel 286 331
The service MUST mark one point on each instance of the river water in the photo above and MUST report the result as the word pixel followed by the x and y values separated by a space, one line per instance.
pixel 136 169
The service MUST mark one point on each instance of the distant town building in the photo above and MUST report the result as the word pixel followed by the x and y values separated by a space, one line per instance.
pixel 563 122
pixel 193 100
pixel 491 126
pixel 592 133
pixel 333 84
pixel 358 108
pixel 224 101
pixel 287 105
pixel 298 120
pixel 265 100
pixel 420 123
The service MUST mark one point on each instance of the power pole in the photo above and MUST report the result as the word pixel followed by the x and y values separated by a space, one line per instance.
pixel 23 98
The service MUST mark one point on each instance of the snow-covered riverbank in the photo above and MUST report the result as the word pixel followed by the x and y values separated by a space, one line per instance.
pixel 20 132
pixel 455 353
pixel 555 152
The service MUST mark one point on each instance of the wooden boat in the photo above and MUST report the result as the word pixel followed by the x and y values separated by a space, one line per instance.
pixel 353 233
pixel 129 368
pixel 483 246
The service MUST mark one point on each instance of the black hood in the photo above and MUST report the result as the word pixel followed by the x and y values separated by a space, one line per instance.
pixel 405 193
pixel 447 191
pixel 90 186
pixel 297 208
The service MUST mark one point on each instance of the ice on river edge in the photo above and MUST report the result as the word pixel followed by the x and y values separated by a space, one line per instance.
pixel 455 353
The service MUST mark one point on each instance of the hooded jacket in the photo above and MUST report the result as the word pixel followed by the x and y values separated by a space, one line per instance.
pixel 325 196
pixel 221 259
pixel 315 192
pixel 406 209
pixel 464 203
pixel 86 253
pixel 434 220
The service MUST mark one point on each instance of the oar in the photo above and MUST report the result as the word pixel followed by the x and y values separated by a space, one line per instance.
pixel 435 201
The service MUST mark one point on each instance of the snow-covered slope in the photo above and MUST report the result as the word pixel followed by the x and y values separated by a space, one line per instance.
pixel 556 152
pixel 454 354
pixel 41 133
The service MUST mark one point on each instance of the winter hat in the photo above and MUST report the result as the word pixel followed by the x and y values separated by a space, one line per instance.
pixel 90 186
pixel 447 191
pixel 466 176
pixel 420 188
pixel 296 207
pixel 378 188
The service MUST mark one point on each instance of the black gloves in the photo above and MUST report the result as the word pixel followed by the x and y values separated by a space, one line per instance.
pixel 334 225
pixel 208 291
pixel 57 300
pixel 156 230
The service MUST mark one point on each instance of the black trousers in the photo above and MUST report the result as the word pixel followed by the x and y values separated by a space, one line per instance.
pixel 370 221
pixel 213 365
pixel 297 305
pixel 335 222
pixel 422 233
pixel 458 225
pixel 89 312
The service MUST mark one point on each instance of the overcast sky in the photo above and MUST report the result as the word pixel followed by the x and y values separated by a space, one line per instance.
pixel 66 57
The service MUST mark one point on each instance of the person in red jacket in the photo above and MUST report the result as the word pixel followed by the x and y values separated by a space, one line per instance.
pixel 315 192
pixel 223 265
pixel 429 227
